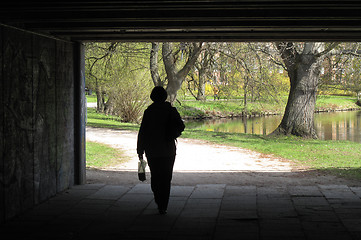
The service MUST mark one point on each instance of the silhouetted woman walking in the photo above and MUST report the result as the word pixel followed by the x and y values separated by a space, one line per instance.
pixel 160 126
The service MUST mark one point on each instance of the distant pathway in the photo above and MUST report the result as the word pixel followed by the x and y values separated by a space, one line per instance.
pixel 193 155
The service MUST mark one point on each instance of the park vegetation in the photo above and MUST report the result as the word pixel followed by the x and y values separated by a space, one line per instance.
pixel 251 77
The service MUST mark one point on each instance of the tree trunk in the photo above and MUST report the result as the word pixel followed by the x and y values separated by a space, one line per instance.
pixel 298 118
pixel 176 78
pixel 109 106
pixel 172 89
pixel 245 94
pixel 154 65
pixel 201 95
pixel 245 99
pixel 303 71
pixel 100 99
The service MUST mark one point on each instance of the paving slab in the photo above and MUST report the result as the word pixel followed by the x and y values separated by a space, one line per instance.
pixel 208 191
pixel 305 191
pixel 181 191
pixel 356 190
pixel 111 192
pixel 204 211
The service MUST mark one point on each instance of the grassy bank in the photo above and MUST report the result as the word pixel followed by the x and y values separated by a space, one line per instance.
pixel 335 103
pixel 234 108
pixel 95 119
pixel 340 158
pixel 226 108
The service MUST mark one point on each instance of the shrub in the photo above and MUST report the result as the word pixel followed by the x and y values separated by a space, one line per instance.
pixel 131 97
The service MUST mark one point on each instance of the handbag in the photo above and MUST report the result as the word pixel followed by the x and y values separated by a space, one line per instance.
pixel 175 125
pixel 141 170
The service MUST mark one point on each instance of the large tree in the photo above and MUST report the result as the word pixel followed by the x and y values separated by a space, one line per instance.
pixel 175 75
pixel 303 63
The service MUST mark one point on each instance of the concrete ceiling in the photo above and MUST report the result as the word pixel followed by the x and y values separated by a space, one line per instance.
pixel 257 20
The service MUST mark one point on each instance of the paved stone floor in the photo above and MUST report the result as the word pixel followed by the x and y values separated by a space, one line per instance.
pixel 212 211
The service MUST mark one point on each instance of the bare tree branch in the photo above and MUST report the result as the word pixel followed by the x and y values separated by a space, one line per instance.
pixel 328 49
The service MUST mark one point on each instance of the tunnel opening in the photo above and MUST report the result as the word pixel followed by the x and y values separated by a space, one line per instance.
pixel 45 160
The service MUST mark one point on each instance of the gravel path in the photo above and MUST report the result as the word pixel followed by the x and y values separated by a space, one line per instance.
pixel 203 162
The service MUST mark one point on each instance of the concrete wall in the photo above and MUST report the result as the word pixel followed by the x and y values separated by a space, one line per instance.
pixel 37 115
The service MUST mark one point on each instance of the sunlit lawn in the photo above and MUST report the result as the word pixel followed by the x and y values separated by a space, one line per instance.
pixel 335 102
pixel 91 98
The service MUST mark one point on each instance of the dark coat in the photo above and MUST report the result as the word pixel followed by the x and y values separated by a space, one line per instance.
pixel 153 136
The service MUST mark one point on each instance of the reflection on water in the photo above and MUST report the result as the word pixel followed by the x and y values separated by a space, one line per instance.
pixel 329 126
pixel 339 126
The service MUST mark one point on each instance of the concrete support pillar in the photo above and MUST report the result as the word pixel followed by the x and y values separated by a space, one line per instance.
pixel 79 114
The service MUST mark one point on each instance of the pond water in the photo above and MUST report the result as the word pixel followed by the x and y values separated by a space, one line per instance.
pixel 329 126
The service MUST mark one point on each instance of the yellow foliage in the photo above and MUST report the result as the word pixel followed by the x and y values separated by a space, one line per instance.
pixel 209 89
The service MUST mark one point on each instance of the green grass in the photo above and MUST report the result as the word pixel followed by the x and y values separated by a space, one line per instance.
pixel 100 120
pixel 326 102
pixel 100 155
pixel 204 109
pixel 91 98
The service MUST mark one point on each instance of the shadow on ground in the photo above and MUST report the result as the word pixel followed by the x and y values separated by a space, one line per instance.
pixel 186 178
pixel 201 211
